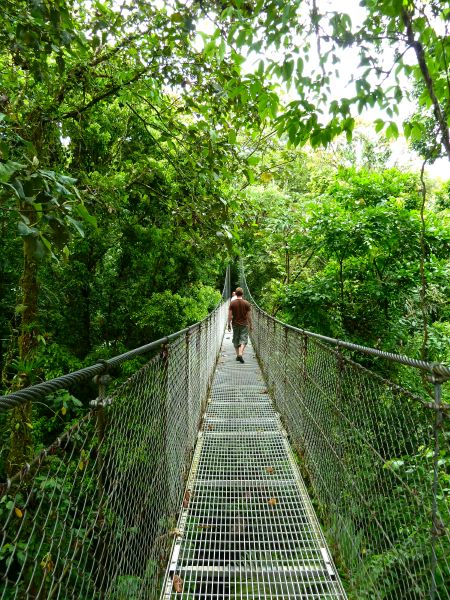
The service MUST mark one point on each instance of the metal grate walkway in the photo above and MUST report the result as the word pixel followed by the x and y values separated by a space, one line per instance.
pixel 247 527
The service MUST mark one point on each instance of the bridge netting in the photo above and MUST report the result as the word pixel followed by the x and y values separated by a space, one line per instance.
pixel 375 455
pixel 94 515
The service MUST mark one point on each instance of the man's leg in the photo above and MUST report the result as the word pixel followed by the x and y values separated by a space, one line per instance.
pixel 236 340
pixel 243 340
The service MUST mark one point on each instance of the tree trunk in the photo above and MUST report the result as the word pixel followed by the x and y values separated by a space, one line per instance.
pixel 288 264
pixel 21 449
pixel 341 285
pixel 439 114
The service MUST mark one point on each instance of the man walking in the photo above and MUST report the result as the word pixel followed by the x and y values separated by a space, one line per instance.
pixel 239 314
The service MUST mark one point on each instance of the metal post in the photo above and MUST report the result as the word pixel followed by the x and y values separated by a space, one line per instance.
pixel 436 527
pixel 304 355
pixel 190 409
pixel 101 380
pixel 338 474
pixel 170 467
pixel 286 366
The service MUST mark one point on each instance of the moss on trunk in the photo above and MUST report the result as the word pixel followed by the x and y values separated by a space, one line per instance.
pixel 21 448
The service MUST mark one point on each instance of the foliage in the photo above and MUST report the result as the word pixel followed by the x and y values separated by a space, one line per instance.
pixel 166 311
pixel 343 259
pixel 137 152
pixel 304 46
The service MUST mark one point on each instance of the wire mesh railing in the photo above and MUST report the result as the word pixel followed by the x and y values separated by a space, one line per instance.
pixel 94 515
pixel 375 455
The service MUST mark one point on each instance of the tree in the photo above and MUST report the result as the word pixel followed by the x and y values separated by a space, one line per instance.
pixel 354 254
pixel 120 102
pixel 303 44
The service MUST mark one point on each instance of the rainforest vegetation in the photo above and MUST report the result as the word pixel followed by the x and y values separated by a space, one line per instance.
pixel 144 145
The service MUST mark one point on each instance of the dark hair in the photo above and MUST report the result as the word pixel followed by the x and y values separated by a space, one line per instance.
pixel 239 292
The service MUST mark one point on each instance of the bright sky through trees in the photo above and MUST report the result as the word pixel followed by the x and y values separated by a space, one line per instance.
pixel 342 79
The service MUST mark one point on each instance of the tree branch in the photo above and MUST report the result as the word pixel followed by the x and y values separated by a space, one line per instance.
pixel 163 152
pixel 315 19
pixel 106 94
pixel 163 129
pixel 277 308
pixel 421 59
pixel 121 46
pixel 260 141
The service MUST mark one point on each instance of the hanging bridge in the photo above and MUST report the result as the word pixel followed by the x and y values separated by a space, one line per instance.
pixel 307 472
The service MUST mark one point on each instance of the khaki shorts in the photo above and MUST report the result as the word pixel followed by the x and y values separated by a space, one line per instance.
pixel 240 335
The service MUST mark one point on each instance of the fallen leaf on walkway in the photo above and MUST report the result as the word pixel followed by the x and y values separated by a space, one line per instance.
pixel 187 497
pixel 176 533
pixel 272 502
pixel 177 584
pixel 270 470
pixel 210 426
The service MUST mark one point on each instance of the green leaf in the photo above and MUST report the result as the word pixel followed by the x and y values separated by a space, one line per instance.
pixel 238 59
pixel 379 124
pixel 37 249
pixel 81 210
pixel 221 50
pixel 24 230
pixel 66 180
pixel 9 168
pixel 232 136
pixel 250 175
pixel 287 69
pixel 46 243
pixel 77 224
pixel 392 130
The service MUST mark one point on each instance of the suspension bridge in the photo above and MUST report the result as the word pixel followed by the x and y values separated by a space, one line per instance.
pixel 307 472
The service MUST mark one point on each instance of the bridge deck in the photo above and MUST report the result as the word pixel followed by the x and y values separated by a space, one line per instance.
pixel 247 527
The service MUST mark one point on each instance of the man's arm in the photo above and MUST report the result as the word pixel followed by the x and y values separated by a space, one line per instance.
pixel 249 319
pixel 230 318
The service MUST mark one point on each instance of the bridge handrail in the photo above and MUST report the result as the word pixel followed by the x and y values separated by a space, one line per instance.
pixel 39 390
pixel 438 370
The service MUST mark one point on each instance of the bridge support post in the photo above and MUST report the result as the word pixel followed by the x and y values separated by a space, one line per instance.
pixel 285 363
pixel 340 484
pixel 102 380
pixel 189 404
pixel 437 525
